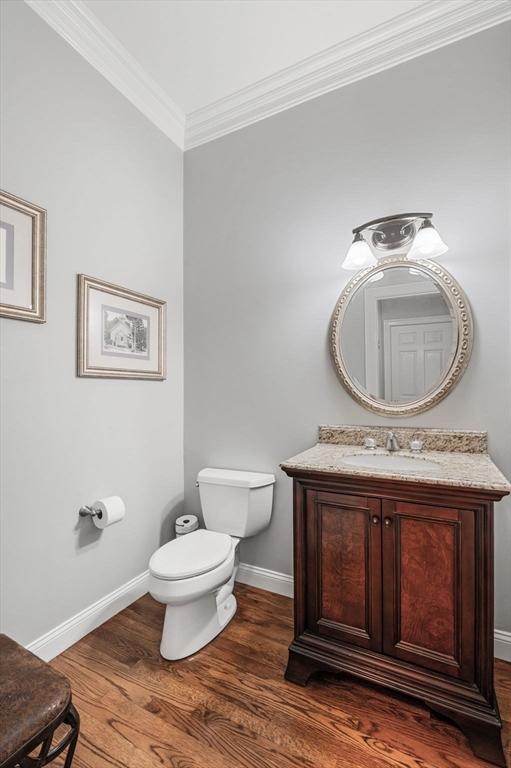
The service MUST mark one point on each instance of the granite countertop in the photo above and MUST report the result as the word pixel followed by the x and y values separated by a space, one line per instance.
pixel 455 469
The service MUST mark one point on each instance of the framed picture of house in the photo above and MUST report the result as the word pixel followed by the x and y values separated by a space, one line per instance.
pixel 121 333
pixel 22 259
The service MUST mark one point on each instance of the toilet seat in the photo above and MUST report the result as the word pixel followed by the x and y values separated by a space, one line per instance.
pixel 196 553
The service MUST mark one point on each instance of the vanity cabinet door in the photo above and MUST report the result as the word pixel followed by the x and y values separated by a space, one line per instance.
pixel 429 586
pixel 343 535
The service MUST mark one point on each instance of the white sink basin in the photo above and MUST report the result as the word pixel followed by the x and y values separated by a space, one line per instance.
pixel 390 462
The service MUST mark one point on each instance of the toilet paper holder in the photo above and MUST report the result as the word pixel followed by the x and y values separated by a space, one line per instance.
pixel 87 511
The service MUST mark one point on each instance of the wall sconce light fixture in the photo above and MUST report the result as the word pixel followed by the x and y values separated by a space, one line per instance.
pixel 391 233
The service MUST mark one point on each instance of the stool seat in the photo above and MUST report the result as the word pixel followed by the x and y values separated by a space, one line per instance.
pixel 32 697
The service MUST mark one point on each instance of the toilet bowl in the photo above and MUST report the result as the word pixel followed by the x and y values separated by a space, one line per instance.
pixel 193 575
pixel 199 602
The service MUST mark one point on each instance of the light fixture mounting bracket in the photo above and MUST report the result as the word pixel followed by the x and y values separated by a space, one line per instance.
pixel 392 232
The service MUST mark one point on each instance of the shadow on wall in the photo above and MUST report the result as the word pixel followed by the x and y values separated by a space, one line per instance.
pixel 88 534
pixel 169 515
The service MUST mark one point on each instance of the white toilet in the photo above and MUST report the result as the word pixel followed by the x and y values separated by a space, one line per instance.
pixel 194 574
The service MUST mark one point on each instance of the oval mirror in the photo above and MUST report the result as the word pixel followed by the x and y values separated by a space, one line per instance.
pixel 401 336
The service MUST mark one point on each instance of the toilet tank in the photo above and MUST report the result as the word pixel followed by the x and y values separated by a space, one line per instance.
pixel 235 502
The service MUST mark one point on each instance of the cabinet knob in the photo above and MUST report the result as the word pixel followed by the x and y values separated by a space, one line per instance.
pixel 388 521
pixel 375 519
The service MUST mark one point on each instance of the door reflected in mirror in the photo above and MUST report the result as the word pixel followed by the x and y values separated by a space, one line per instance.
pixel 399 335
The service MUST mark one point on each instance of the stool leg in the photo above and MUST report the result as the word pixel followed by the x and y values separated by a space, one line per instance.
pixel 73 718
pixel 40 760
pixel 46 754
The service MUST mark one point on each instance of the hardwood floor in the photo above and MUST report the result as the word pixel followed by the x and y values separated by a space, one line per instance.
pixel 230 707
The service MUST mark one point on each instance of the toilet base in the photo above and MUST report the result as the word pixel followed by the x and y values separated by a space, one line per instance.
pixel 189 627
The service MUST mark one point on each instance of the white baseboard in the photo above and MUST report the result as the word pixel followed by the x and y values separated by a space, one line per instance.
pixel 69 632
pixel 502 645
pixel 271 581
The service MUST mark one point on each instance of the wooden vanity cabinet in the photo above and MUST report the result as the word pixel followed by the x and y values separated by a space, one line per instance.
pixel 394 585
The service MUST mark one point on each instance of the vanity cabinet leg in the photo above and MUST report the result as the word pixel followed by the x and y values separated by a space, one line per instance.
pixel 485 738
pixel 300 668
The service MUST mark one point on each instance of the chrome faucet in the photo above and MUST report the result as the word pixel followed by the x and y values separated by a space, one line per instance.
pixel 391 443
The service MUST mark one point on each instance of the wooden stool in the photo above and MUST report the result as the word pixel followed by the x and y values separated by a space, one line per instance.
pixel 34 700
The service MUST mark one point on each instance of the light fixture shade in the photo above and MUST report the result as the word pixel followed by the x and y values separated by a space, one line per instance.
pixel 427 244
pixel 359 255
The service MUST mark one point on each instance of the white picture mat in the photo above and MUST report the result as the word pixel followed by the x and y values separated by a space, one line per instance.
pixel 95 358
pixel 20 295
pixel 3 255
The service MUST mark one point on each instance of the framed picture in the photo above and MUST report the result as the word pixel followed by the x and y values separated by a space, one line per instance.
pixel 22 259
pixel 121 333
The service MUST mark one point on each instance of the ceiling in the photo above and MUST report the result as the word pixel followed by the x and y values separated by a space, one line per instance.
pixel 200 51
pixel 199 69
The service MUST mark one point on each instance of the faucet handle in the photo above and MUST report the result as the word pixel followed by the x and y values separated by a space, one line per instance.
pixel 416 445
pixel 370 443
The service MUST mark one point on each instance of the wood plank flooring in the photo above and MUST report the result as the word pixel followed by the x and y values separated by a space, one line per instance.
pixel 230 707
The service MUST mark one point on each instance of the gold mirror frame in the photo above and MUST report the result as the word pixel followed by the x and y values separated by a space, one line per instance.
pixel 461 311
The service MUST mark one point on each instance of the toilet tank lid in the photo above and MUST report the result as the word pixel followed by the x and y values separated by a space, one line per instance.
pixel 234 477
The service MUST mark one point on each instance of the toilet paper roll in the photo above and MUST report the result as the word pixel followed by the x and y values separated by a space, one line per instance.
pixel 186 524
pixel 110 510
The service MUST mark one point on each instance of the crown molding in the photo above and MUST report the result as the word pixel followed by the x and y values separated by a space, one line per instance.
pixel 73 21
pixel 430 26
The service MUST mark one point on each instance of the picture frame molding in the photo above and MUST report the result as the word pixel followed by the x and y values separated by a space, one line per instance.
pixel 84 285
pixel 36 313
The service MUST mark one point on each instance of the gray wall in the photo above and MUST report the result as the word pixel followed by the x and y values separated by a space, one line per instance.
pixel 112 185
pixel 268 215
